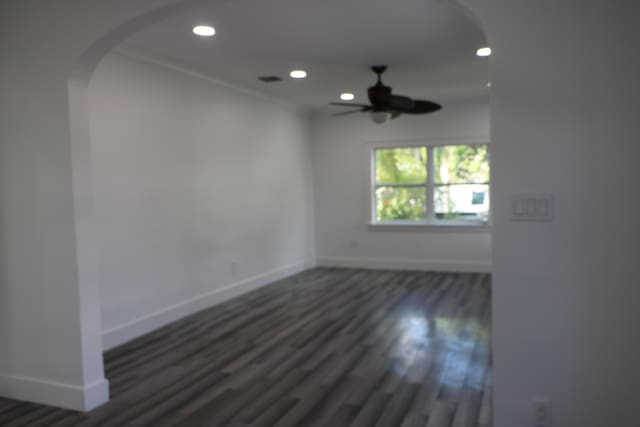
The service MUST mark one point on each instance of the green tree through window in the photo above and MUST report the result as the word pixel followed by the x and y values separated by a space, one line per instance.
pixel 401 175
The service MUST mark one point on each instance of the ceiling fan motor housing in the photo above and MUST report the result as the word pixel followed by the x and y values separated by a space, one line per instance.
pixel 379 96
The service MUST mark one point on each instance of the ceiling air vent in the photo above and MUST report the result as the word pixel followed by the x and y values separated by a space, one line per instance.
pixel 270 79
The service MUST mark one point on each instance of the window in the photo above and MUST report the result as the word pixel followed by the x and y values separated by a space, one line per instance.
pixel 437 185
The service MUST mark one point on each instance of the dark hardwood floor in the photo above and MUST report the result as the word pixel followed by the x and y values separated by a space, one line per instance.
pixel 327 347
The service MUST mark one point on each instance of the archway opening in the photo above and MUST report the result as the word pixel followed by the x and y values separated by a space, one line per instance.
pixel 193 254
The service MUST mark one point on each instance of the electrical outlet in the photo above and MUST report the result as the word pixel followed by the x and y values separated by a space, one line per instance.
pixel 541 412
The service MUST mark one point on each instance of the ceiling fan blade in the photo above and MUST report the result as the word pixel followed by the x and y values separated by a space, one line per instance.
pixel 395 114
pixel 424 107
pixel 346 113
pixel 401 103
pixel 349 104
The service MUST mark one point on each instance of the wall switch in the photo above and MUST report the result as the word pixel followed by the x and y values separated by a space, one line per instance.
pixel 541 412
pixel 532 207
pixel 519 207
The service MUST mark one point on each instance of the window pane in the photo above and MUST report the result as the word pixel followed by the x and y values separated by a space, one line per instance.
pixel 401 165
pixel 464 201
pixel 400 203
pixel 458 164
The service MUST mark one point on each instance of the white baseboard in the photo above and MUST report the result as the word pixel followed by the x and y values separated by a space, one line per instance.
pixel 405 264
pixel 62 395
pixel 133 329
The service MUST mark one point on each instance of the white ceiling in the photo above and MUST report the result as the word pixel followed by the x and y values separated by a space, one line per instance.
pixel 429 45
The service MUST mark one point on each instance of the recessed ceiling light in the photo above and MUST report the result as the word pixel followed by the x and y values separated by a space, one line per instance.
pixel 298 74
pixel 204 30
pixel 484 51
pixel 347 96
pixel 488 84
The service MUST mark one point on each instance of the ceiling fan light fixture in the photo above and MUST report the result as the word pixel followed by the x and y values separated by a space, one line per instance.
pixel 347 96
pixel 380 117
pixel 204 30
pixel 484 51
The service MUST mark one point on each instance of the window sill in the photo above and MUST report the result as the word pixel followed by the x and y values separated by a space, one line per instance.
pixel 423 226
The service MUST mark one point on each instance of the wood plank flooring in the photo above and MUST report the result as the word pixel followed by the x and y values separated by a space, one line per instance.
pixel 327 347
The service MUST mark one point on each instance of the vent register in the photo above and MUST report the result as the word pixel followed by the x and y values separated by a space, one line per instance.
pixel 270 79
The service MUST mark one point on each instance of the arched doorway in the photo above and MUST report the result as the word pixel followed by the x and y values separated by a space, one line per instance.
pixel 115 25
pixel 80 80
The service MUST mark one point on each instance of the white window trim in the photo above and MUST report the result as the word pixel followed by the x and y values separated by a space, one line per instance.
pixel 431 222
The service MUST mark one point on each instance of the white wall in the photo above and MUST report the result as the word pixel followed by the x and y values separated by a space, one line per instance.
pixel 49 343
pixel 202 191
pixel 565 122
pixel 341 167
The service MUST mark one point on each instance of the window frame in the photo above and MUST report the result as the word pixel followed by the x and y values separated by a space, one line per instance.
pixel 430 221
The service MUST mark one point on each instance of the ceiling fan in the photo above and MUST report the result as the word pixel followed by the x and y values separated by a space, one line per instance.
pixel 384 105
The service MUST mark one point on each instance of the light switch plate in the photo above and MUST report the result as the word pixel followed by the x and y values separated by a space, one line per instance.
pixel 532 207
